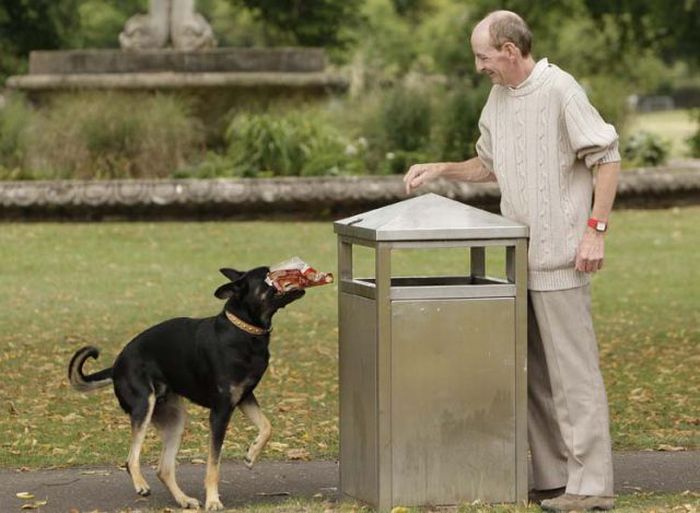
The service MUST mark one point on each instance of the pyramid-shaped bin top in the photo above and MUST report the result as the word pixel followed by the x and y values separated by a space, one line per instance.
pixel 429 217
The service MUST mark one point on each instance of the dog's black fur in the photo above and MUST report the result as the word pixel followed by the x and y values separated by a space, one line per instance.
pixel 211 362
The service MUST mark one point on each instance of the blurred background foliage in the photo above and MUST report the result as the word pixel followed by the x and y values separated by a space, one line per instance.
pixel 414 93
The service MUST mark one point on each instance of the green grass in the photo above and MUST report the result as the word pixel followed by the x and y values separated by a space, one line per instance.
pixel 67 285
pixel 674 125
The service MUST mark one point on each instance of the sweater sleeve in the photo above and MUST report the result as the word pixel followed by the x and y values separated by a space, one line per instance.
pixel 484 148
pixel 593 140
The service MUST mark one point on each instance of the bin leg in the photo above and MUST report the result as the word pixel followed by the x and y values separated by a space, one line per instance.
pixel 516 271
pixel 478 262
pixel 344 260
pixel 383 281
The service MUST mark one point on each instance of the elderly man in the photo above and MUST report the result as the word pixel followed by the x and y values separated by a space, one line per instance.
pixel 540 139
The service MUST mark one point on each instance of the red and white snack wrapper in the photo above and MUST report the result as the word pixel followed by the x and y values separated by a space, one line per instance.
pixel 296 274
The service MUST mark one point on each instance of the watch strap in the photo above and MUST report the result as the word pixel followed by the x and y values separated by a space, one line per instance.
pixel 597 224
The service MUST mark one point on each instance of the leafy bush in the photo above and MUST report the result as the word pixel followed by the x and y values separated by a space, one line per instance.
pixel 459 124
pixel 313 22
pixel 406 119
pixel 694 140
pixel 292 144
pixel 114 136
pixel 646 149
pixel 15 120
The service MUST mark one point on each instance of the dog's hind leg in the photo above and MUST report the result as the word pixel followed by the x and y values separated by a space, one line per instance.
pixel 169 417
pixel 219 417
pixel 140 419
pixel 250 408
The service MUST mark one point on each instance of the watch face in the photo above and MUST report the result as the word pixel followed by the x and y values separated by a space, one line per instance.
pixel 601 226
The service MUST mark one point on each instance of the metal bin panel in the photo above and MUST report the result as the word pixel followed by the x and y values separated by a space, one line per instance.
pixel 453 401
pixel 358 397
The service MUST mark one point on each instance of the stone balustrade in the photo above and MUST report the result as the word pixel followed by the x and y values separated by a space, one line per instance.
pixel 305 198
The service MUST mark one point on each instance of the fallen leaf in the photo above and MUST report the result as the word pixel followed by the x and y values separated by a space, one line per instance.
pixel 96 473
pixel 298 454
pixel 277 446
pixel 198 461
pixel 34 505
pixel 670 448
pixel 25 495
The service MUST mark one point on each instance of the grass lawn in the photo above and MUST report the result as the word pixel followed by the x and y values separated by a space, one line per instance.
pixel 67 285
pixel 674 125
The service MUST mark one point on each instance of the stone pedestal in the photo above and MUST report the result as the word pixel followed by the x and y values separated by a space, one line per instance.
pixel 215 80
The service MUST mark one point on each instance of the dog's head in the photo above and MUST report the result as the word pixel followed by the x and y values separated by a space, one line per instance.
pixel 249 291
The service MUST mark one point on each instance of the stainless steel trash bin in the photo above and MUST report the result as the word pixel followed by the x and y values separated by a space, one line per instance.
pixel 432 369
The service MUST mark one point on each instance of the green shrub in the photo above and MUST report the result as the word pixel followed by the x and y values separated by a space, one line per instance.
pixel 694 140
pixel 645 149
pixel 291 144
pixel 609 96
pixel 15 120
pixel 406 118
pixel 459 124
pixel 398 162
pixel 111 135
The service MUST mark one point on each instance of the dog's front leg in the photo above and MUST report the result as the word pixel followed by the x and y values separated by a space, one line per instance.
pixel 250 408
pixel 219 418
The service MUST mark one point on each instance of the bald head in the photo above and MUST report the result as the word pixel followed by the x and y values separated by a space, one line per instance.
pixel 505 27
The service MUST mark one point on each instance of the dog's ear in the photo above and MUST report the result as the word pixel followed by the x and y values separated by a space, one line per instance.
pixel 235 288
pixel 231 274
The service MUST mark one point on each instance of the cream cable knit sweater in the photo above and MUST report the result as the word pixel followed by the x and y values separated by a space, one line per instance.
pixel 541 140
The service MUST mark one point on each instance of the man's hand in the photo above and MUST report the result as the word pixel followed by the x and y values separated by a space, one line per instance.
pixel 420 174
pixel 589 257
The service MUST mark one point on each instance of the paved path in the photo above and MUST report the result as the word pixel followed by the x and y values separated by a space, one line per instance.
pixel 108 489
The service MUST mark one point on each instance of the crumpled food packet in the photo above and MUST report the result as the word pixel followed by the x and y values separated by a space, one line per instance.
pixel 296 274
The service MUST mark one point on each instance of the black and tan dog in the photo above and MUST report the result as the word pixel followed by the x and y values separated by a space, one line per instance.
pixel 215 362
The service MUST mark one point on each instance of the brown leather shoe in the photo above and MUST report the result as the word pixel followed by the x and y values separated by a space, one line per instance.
pixel 573 502
pixel 537 496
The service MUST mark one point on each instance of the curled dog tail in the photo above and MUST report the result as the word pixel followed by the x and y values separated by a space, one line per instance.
pixel 80 381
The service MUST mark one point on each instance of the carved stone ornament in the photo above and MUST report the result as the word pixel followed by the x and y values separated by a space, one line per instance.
pixel 173 21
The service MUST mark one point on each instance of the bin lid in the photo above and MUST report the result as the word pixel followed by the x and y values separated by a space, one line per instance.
pixel 429 217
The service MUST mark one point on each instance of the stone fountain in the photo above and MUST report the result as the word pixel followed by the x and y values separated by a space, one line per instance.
pixel 173 48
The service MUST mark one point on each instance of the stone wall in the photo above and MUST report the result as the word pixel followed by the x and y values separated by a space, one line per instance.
pixel 298 198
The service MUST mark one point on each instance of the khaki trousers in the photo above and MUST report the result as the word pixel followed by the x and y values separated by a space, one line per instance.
pixel 568 424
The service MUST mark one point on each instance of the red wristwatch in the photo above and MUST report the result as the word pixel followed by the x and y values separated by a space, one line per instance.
pixel 598 225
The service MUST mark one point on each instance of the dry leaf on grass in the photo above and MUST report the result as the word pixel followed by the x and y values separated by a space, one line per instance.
pixel 298 454
pixel 670 448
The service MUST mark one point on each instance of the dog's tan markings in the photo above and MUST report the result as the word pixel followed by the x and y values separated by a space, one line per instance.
pixel 251 409
pixel 170 418
pixel 211 482
pixel 238 390
pixel 138 435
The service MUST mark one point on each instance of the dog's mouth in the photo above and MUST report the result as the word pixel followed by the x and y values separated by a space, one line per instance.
pixel 291 294
pixel 285 297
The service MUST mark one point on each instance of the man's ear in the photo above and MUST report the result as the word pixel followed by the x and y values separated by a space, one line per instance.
pixel 511 49
pixel 231 274
pixel 229 290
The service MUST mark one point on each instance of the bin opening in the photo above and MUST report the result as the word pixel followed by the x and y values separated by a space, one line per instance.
pixel 431 281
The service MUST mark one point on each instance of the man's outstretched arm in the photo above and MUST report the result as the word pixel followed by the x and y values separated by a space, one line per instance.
pixel 472 170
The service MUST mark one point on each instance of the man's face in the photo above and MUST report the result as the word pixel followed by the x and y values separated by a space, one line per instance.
pixel 489 60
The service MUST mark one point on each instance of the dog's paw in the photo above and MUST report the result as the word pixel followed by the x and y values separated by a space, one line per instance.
pixel 189 503
pixel 248 462
pixel 214 505
pixel 143 490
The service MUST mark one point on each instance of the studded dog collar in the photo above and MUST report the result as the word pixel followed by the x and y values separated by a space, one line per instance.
pixel 248 328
